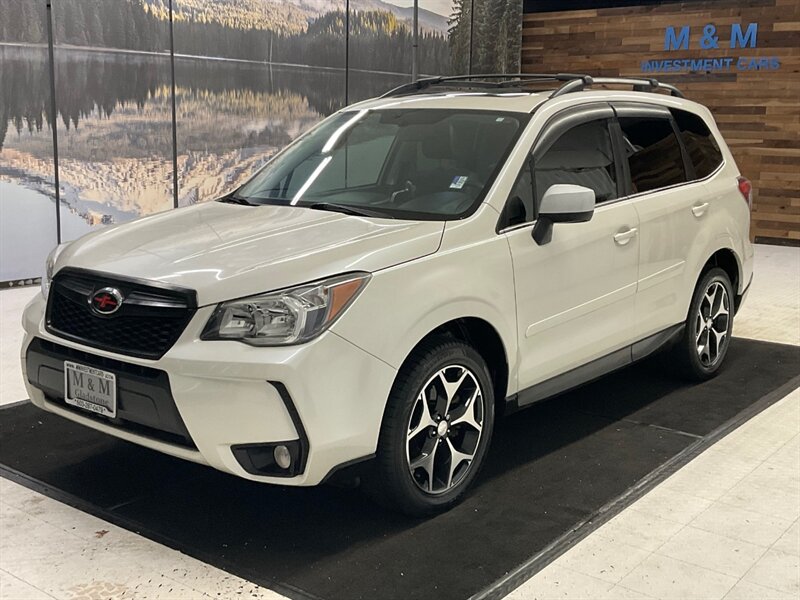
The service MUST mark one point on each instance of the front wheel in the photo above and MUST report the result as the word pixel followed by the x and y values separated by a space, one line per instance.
pixel 436 429
pixel 709 326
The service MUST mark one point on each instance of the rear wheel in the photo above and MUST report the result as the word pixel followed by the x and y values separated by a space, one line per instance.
pixel 436 429
pixel 709 326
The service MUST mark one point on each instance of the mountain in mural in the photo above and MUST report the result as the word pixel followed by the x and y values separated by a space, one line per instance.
pixel 285 16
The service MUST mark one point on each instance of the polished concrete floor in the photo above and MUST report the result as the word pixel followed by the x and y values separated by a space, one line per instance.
pixel 724 526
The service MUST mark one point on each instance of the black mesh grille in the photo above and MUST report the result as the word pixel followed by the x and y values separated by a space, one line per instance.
pixel 147 324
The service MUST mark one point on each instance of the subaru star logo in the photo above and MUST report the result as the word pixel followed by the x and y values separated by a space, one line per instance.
pixel 106 301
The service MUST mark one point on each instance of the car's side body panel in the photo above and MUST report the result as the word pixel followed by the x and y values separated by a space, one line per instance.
pixel 576 294
pixel 470 276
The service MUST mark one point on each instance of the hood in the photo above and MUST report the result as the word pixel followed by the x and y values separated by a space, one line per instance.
pixel 226 251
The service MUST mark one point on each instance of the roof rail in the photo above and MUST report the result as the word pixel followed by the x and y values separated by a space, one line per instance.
pixel 639 85
pixel 480 81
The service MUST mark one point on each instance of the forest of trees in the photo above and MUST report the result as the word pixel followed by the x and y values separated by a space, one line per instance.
pixel 494 30
pixel 379 40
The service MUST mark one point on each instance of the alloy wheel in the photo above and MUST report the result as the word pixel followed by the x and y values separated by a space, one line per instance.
pixel 444 429
pixel 711 324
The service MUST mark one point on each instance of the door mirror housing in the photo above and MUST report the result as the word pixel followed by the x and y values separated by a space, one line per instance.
pixel 562 203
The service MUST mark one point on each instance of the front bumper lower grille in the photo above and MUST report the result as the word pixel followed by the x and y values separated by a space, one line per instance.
pixel 145 405
pixel 148 322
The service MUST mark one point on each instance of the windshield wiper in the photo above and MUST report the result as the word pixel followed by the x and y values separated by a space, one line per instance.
pixel 348 209
pixel 234 199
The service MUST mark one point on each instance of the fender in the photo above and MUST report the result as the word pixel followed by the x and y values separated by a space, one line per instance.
pixel 469 281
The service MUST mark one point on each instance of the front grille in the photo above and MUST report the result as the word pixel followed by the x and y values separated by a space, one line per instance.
pixel 147 324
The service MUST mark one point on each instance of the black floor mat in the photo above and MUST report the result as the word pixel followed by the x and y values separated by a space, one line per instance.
pixel 550 467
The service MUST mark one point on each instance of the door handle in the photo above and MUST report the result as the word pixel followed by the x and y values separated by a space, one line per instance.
pixel 698 210
pixel 623 237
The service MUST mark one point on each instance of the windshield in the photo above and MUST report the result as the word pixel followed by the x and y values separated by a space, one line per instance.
pixel 404 163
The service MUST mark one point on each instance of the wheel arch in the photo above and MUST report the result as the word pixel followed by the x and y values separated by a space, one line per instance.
pixel 725 258
pixel 486 340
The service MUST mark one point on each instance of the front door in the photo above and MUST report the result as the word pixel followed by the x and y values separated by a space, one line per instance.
pixel 575 295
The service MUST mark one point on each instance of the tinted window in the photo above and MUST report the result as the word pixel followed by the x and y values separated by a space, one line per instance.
pixel 420 163
pixel 654 154
pixel 699 143
pixel 583 156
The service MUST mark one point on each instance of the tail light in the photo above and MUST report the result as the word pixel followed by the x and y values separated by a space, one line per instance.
pixel 746 189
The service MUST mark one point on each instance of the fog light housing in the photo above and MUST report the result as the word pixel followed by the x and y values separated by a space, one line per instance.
pixel 277 459
pixel 283 457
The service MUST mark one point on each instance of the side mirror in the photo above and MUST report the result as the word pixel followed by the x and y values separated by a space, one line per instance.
pixel 562 203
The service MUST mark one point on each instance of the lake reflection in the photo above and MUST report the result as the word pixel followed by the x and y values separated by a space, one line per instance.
pixel 115 128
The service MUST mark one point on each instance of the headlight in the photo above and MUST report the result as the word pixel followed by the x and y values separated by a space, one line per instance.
pixel 290 316
pixel 49 266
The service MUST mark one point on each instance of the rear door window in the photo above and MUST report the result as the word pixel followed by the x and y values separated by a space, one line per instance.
pixel 653 152
pixel 699 142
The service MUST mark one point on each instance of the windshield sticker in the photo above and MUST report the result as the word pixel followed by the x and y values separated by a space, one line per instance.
pixel 458 182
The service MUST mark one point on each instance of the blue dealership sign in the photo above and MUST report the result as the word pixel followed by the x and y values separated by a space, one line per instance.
pixel 681 38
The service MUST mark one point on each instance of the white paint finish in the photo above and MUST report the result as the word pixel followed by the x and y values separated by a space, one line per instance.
pixel 226 251
pixel 575 295
pixel 565 199
pixel 470 276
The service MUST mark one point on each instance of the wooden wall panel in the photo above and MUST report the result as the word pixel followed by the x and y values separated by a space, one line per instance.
pixel 758 112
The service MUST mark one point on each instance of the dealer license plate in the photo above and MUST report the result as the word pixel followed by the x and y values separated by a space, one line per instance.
pixel 90 389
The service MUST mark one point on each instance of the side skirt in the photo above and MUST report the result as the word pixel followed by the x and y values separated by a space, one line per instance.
pixel 594 369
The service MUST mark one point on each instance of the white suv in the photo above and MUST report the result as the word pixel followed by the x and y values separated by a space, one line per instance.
pixel 399 276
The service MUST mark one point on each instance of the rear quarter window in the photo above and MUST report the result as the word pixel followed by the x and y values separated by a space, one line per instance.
pixel 699 142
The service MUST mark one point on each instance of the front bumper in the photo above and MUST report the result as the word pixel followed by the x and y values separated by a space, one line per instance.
pixel 328 395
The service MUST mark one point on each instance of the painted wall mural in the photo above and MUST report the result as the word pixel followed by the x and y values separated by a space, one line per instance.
pixel 250 76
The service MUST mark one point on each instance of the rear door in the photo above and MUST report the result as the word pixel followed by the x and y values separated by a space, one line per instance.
pixel 670 212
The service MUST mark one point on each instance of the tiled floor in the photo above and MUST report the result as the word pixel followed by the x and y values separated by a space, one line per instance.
pixel 724 526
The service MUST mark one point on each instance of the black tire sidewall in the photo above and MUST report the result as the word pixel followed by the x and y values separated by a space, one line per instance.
pixel 692 360
pixel 392 445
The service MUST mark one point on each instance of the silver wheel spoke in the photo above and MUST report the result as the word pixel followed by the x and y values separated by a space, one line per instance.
pixel 466 414
pixel 699 327
pixel 444 429
pixel 451 388
pixel 456 458
pixel 427 460
pixel 425 421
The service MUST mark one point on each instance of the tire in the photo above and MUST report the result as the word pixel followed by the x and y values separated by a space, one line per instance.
pixel 700 352
pixel 419 429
